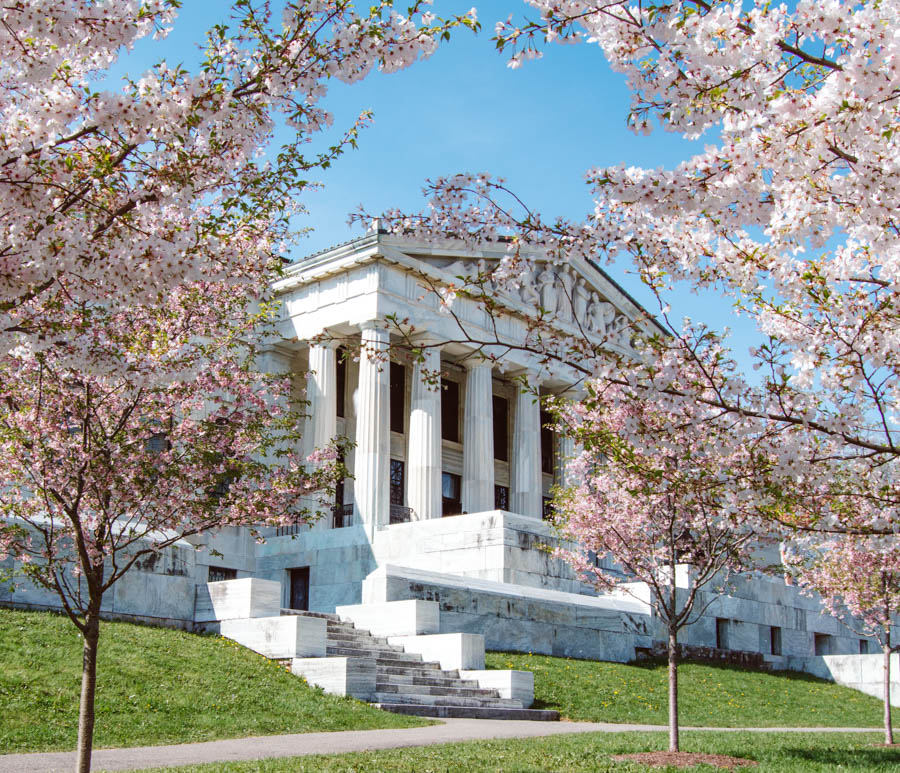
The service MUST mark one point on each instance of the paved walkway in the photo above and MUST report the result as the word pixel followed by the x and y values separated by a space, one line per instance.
pixel 301 744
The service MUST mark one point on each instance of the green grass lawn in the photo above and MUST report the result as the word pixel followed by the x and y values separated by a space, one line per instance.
pixel 154 686
pixel 591 753
pixel 708 695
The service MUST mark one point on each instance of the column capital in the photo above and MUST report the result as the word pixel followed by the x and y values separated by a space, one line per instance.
pixel 531 374
pixel 427 339
pixel 372 324
pixel 476 360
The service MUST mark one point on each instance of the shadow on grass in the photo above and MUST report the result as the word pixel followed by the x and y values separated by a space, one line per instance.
pixel 873 758
pixel 651 664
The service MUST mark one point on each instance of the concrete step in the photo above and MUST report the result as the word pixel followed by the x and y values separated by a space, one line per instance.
pixel 425 689
pixel 373 652
pixel 471 712
pixel 423 699
pixel 438 680
pixel 358 637
pixel 305 613
pixel 415 669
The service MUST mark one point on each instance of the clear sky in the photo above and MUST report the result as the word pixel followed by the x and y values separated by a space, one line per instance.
pixel 540 126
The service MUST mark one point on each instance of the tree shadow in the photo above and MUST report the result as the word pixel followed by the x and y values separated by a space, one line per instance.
pixel 872 758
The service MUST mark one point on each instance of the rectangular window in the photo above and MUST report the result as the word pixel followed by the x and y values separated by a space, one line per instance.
pixel 722 633
pixel 501 498
pixel 822 644
pixel 449 410
pixel 501 428
pixel 863 646
pixel 547 510
pixel 775 640
pixel 451 493
pixel 546 443
pixel 341 379
pixel 397 475
pixel 398 394
pixel 221 573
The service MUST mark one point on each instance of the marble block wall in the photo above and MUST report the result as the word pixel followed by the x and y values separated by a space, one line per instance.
pixel 521 618
pixel 338 560
pixel 493 545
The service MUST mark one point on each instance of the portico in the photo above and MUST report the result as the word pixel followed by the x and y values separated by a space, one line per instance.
pixel 438 427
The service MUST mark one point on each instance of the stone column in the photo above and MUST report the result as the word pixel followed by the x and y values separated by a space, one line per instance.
pixel 373 430
pixel 565 451
pixel 567 448
pixel 423 456
pixel 321 392
pixel 525 472
pixel 478 438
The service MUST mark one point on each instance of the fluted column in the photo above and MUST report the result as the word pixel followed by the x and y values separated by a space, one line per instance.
pixel 424 448
pixel 321 393
pixel 373 430
pixel 525 475
pixel 567 448
pixel 478 439
pixel 565 453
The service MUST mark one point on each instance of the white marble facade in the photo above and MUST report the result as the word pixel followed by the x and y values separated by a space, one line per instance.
pixel 450 468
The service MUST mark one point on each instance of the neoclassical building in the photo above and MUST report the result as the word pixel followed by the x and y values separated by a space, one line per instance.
pixel 439 444
pixel 451 468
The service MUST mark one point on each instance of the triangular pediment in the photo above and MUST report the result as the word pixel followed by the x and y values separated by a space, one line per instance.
pixel 571 296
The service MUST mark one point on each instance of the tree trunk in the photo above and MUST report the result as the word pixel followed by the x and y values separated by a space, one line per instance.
pixel 88 686
pixel 673 690
pixel 888 730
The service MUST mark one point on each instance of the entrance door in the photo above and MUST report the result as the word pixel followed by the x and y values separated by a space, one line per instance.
pixel 299 588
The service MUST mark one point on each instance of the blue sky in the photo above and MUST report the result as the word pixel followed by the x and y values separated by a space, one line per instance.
pixel 540 126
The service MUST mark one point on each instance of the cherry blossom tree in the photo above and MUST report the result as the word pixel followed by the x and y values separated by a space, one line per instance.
pixel 117 196
pixel 138 228
pixel 660 485
pixel 103 469
pixel 859 581
pixel 790 210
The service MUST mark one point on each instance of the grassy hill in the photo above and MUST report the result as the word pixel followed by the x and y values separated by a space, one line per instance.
pixel 161 686
pixel 709 695
pixel 154 686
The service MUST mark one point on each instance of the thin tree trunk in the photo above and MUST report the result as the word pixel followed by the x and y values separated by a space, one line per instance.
pixel 88 686
pixel 888 729
pixel 673 689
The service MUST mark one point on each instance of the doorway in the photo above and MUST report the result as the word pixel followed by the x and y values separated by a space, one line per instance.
pixel 299 578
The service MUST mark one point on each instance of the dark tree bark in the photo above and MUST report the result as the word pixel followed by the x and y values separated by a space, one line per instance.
pixel 673 689
pixel 91 634
pixel 888 729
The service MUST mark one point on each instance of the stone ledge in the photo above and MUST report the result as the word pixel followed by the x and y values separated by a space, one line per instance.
pixel 409 617
pixel 339 676
pixel 452 650
pixel 517 685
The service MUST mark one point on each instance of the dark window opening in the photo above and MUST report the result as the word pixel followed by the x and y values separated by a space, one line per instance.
pixel 449 410
pixel 501 428
pixel 451 494
pixel 398 393
pixel 822 644
pixel 546 443
pixel 721 633
pixel 221 573
pixel 775 640
pixel 299 579
pixel 547 509
pixel 863 646
pixel 501 498
pixel 341 379
pixel 397 474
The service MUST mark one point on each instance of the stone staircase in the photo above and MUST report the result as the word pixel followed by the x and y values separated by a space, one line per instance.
pixel 406 684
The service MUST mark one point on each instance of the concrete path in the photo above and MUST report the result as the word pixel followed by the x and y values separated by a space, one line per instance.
pixel 448 731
